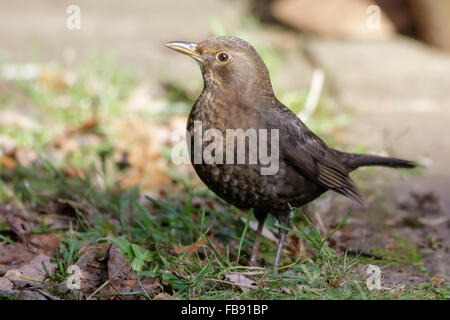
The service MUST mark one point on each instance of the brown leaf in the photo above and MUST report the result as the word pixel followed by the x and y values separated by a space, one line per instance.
pixel 150 284
pixel 73 172
pixel 8 162
pixel 144 155
pixel 242 281
pixel 26 156
pixel 88 126
pixel 165 296
pixel 52 78
pixel 92 266
pixel 122 278
pixel 7 144
pixel 190 249
pixel 6 284
pixel 21 120
pixel 47 242
pixel 35 294
pixel 31 272
pixel 119 268
pixel 18 225
pixel 14 254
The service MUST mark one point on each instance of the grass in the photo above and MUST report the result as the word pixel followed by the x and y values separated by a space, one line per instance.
pixel 148 234
pixel 156 233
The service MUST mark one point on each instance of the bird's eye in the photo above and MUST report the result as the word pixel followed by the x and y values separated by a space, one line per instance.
pixel 222 57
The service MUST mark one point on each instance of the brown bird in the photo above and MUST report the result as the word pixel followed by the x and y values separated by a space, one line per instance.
pixel 238 94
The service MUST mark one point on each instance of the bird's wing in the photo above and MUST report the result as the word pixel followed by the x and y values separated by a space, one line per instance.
pixel 310 156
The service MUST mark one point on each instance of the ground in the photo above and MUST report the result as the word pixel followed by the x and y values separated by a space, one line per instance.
pixel 87 178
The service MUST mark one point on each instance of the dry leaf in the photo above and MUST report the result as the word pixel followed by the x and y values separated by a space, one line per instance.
pixel 6 284
pixel 119 268
pixel 142 159
pixel 34 294
pixel 165 296
pixel 31 272
pixel 190 249
pixel 92 266
pixel 14 254
pixel 74 172
pixel 47 242
pixel 26 156
pixel 10 117
pixel 242 281
pixel 18 225
pixel 7 144
pixel 8 162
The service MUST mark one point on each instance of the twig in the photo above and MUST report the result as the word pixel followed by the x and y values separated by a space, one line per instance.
pixel 315 90
pixel 107 281
pixel 360 252
pixel 232 283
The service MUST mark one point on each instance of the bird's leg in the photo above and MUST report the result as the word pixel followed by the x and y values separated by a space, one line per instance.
pixel 253 262
pixel 283 233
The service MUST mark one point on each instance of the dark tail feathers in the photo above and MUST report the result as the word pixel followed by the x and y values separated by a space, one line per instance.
pixel 353 161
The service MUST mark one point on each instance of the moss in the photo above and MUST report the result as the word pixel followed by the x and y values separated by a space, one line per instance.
pixel 402 252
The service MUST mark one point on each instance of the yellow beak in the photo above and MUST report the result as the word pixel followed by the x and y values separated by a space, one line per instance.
pixel 187 48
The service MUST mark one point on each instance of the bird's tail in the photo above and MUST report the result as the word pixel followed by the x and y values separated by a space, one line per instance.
pixel 353 161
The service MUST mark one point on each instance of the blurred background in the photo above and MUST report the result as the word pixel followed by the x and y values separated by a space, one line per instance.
pixel 101 102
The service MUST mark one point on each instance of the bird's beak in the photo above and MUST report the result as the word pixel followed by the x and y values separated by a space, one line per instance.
pixel 188 48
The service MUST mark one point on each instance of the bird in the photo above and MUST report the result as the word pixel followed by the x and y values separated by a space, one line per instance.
pixel 238 95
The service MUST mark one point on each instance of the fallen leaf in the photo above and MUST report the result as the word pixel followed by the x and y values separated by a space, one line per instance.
pixel 165 296
pixel 14 254
pixel 144 162
pixel 150 284
pixel 8 162
pixel 47 242
pixel 19 226
pixel 92 266
pixel 119 269
pixel 7 144
pixel 190 249
pixel 6 284
pixel 31 272
pixel 74 172
pixel 53 77
pixel 35 294
pixel 118 278
pixel 124 279
pixel 18 119
pixel 142 97
pixel 242 281
pixel 26 156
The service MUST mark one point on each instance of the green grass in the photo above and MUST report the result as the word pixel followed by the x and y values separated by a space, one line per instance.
pixel 148 234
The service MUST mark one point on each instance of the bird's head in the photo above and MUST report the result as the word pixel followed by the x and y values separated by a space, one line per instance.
pixel 229 64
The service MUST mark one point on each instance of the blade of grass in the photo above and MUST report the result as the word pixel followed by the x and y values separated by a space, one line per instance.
pixel 250 212
pixel 337 227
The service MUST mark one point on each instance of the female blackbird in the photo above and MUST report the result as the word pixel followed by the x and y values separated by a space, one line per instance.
pixel 238 95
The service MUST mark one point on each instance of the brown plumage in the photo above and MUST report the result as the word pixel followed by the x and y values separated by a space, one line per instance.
pixel 238 94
